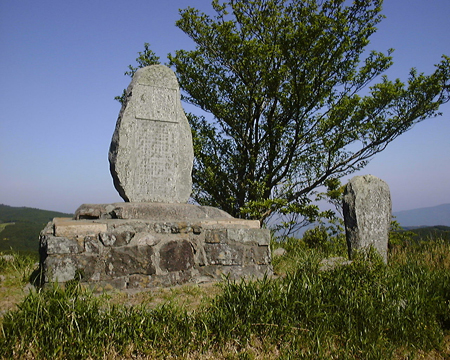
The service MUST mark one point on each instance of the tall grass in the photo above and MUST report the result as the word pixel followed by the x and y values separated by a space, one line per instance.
pixel 365 310
pixel 362 310
pixel 16 270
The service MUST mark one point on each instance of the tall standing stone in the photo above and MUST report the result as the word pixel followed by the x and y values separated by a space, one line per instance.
pixel 151 151
pixel 367 214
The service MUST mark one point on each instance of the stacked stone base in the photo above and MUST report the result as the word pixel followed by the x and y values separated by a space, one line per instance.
pixel 161 245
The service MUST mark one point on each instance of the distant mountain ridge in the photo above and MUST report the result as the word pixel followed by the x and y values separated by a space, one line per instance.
pixel 12 214
pixel 20 227
pixel 428 216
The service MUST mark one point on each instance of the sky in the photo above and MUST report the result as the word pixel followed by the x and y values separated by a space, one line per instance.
pixel 63 62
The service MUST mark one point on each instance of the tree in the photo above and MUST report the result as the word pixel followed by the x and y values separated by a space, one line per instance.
pixel 291 102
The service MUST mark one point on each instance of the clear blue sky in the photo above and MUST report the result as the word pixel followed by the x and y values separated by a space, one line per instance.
pixel 62 63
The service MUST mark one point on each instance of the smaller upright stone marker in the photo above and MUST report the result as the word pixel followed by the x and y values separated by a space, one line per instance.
pixel 367 214
pixel 151 151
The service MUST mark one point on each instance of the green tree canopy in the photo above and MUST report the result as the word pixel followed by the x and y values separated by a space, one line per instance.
pixel 290 89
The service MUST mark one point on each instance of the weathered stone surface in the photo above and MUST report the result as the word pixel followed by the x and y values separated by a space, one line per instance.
pixel 94 211
pixel 144 238
pixel 92 245
pixel 176 256
pixel 367 214
pixel 61 269
pixel 48 230
pixel 135 254
pixel 61 245
pixel 224 254
pixel 257 255
pixel 151 153
pixel 69 228
pixel 89 267
pixel 130 260
pixel 138 281
pixel 254 236
pixel 116 238
pixel 215 236
pixel 149 211
pixel 230 223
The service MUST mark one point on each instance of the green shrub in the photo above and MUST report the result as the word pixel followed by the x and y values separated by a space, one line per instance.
pixel 329 240
pixel 398 237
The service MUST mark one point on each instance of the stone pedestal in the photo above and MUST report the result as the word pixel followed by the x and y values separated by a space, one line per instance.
pixel 138 246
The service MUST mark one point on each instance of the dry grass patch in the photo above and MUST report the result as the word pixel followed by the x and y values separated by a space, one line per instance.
pixel 187 296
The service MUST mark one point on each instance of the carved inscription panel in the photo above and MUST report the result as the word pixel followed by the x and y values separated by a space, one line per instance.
pixel 156 103
pixel 156 158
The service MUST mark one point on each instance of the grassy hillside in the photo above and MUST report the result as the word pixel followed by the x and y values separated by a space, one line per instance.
pixel 10 214
pixel 432 232
pixel 20 227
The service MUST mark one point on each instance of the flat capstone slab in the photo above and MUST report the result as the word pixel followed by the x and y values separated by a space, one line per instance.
pixel 149 211
pixel 151 153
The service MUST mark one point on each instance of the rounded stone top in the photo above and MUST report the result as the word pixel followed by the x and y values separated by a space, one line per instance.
pixel 156 75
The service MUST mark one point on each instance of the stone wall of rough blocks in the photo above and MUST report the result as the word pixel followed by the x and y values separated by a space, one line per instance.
pixel 133 254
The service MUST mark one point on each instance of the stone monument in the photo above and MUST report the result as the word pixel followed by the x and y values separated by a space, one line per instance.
pixel 151 151
pixel 367 214
pixel 155 238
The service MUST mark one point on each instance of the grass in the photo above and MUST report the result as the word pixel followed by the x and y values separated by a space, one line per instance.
pixel 2 226
pixel 365 310
pixel 15 272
